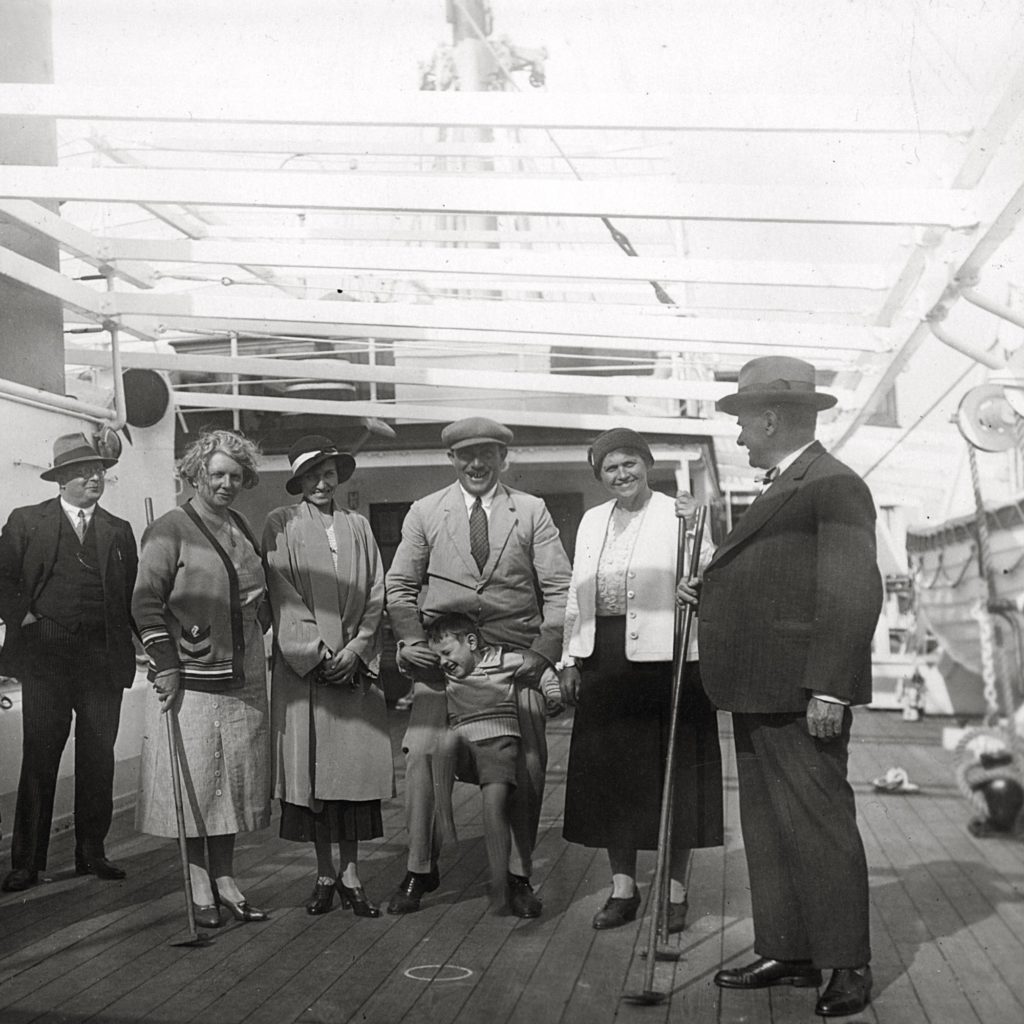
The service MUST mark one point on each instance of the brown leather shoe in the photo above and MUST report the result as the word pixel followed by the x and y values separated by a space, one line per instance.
pixel 848 991
pixel 522 900
pixel 406 898
pixel 19 880
pixel 765 973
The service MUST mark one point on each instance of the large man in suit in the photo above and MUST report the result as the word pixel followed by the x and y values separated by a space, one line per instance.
pixel 787 607
pixel 67 569
pixel 494 553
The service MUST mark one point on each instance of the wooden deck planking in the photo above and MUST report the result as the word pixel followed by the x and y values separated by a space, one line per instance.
pixel 948 926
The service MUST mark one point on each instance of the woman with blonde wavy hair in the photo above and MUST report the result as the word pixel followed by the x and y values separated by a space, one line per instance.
pixel 200 607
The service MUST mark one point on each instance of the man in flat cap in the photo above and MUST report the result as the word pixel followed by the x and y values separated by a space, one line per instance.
pixel 67 569
pixel 495 554
pixel 788 605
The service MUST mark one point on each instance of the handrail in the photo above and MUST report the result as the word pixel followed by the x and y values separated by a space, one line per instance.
pixel 114 418
pixel 48 400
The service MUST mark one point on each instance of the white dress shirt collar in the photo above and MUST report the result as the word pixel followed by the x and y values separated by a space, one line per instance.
pixel 784 463
pixel 486 500
pixel 71 511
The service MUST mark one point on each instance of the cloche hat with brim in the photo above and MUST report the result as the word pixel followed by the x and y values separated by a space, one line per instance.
pixel 70 449
pixel 310 451
pixel 775 379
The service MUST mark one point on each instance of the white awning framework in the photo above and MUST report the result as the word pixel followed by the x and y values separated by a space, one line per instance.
pixel 451 249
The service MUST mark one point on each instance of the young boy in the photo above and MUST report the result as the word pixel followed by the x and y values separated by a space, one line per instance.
pixel 480 687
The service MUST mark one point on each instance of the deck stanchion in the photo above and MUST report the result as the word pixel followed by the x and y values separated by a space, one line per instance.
pixel 658 928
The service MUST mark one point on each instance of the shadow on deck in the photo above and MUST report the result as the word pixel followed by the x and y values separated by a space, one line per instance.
pixel 948 925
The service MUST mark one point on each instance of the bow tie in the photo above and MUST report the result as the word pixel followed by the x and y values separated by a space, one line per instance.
pixel 770 475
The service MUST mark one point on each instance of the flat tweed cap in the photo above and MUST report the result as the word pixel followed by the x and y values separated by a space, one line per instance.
pixel 475 430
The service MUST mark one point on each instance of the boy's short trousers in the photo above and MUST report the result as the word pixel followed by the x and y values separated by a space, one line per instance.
pixel 493 760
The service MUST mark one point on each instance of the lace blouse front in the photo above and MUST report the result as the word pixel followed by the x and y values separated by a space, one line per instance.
pixel 619 540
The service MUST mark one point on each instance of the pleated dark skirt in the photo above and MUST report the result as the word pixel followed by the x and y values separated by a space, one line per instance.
pixel 618 747
pixel 349 820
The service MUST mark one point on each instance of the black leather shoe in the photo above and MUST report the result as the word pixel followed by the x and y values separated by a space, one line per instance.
pixel 522 900
pixel 243 910
pixel 356 899
pixel 19 880
pixel 98 865
pixel 677 916
pixel 848 992
pixel 406 898
pixel 765 973
pixel 617 911
pixel 207 915
pixel 322 898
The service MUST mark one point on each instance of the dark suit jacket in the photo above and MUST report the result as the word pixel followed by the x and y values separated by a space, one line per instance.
pixel 433 571
pixel 791 599
pixel 28 549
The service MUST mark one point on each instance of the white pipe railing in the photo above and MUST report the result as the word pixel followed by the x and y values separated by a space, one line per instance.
pixel 991 306
pixel 61 403
pixel 975 353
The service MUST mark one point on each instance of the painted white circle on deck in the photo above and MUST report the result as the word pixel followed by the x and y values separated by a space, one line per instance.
pixel 441 972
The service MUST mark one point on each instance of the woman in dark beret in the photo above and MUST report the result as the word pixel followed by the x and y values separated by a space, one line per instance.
pixel 617 668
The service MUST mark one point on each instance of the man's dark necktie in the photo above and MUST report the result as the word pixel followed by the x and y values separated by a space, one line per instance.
pixel 80 525
pixel 479 545
pixel 766 480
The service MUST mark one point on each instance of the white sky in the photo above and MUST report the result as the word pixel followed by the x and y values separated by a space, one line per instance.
pixel 935 47
pixel 953 54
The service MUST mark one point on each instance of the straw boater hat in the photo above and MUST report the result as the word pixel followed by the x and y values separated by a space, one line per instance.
pixel 775 379
pixel 475 430
pixel 70 449
pixel 310 451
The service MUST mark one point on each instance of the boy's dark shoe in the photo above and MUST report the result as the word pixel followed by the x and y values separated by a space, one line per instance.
pixel 522 900
pixel 406 898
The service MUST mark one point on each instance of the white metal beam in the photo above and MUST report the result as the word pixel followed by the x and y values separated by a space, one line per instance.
pixel 516 320
pixel 718 111
pixel 34 275
pixel 318 143
pixel 73 240
pixel 339 371
pixel 182 328
pixel 446 412
pixel 611 266
pixel 308 190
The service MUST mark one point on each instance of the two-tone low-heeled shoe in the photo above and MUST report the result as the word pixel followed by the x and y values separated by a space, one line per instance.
pixel 356 899
pixel 207 915
pixel 322 899
pixel 243 910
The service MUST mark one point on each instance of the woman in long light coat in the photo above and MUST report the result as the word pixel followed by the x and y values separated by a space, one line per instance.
pixel 331 749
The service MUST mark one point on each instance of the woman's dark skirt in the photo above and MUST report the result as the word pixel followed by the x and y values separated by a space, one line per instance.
pixel 338 821
pixel 617 753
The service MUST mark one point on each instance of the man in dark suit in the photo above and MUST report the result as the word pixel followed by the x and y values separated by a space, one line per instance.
pixel 788 606
pixel 67 569
pixel 494 553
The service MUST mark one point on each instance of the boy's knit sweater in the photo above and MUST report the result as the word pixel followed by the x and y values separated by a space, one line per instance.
pixel 483 705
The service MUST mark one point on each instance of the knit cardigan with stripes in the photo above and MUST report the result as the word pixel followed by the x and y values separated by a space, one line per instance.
pixel 187 604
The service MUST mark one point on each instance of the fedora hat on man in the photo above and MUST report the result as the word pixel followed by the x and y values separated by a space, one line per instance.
pixel 769 379
pixel 310 451
pixel 70 449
